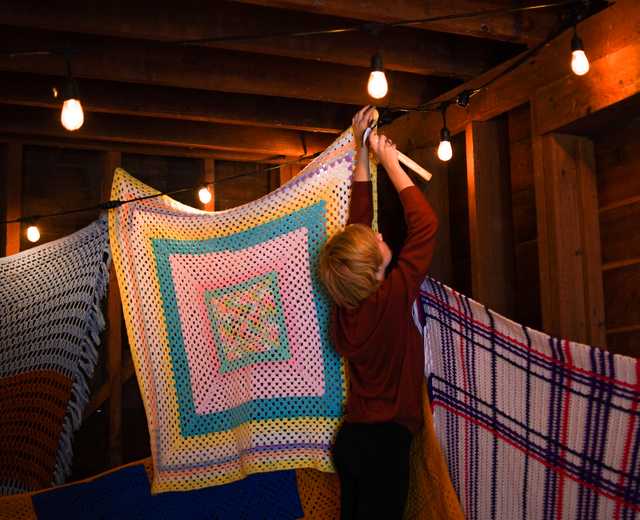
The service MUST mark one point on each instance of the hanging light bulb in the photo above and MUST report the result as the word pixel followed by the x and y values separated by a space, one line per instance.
pixel 579 60
pixel 445 151
pixel 72 116
pixel 33 233
pixel 377 86
pixel 204 195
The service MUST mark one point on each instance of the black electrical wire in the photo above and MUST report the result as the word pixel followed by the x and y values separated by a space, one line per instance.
pixel 371 27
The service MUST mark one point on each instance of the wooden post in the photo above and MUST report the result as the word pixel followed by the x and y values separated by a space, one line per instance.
pixel 569 238
pixel 13 194
pixel 113 338
pixel 209 176
pixel 490 219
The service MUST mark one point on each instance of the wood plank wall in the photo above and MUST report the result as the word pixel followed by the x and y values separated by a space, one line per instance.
pixel 459 217
pixel 618 166
pixel 523 205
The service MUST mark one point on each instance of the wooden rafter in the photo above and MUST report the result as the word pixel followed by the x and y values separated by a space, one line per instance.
pixel 407 50
pixel 551 64
pixel 526 28
pixel 141 149
pixel 187 104
pixel 99 127
pixel 135 61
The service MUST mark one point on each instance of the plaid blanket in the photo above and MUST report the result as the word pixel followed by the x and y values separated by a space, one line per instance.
pixel 531 426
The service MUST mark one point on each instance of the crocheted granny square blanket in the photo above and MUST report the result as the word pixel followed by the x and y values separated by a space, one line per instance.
pixel 532 427
pixel 50 324
pixel 228 325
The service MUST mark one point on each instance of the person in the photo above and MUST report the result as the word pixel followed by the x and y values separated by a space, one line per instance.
pixel 372 328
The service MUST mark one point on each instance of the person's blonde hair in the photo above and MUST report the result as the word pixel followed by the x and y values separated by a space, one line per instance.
pixel 349 264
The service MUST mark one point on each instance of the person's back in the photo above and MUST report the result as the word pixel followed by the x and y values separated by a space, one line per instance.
pixel 372 328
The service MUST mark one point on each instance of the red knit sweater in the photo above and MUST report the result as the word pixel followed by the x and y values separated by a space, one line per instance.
pixel 379 339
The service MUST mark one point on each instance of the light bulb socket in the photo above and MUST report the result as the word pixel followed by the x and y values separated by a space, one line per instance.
pixel 70 90
pixel 445 135
pixel 462 100
pixel 576 43
pixel 376 62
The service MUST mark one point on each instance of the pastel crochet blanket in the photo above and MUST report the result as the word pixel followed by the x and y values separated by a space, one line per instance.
pixel 50 322
pixel 227 324
pixel 531 426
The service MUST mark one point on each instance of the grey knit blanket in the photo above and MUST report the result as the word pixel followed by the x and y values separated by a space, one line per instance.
pixel 50 324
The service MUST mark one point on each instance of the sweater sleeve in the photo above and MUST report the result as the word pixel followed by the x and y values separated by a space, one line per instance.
pixel 415 256
pixel 361 207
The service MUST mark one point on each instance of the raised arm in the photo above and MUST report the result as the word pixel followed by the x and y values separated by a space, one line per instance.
pixel 361 209
pixel 415 256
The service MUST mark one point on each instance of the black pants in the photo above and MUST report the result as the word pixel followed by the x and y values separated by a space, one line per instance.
pixel 372 461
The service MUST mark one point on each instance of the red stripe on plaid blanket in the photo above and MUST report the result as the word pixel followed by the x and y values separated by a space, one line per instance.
pixel 565 428
pixel 560 471
pixel 546 357
pixel 627 443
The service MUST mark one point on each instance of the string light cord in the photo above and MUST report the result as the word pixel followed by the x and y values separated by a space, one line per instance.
pixel 463 98
pixel 369 27
pixel 112 204
pixel 376 27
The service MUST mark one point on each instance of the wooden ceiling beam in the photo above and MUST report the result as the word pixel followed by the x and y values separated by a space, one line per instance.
pixel 406 50
pixel 78 143
pixel 134 61
pixel 528 28
pixel 612 53
pixel 184 104
pixel 191 134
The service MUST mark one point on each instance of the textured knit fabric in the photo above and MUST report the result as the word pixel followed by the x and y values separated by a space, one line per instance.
pixel 50 321
pixel 125 493
pixel 532 427
pixel 378 338
pixel 228 325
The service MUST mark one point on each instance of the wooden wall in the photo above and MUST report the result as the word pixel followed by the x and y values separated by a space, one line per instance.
pixel 523 206
pixel 618 166
pixel 459 217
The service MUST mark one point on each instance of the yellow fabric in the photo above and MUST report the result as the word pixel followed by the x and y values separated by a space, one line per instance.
pixel 431 494
pixel 17 507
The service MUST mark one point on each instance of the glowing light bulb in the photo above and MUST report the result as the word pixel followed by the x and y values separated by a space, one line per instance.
pixel 579 60
pixel 72 116
pixel 377 86
pixel 445 151
pixel 33 234
pixel 579 63
pixel 204 195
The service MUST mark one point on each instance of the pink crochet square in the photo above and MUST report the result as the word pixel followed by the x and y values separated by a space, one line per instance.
pixel 301 374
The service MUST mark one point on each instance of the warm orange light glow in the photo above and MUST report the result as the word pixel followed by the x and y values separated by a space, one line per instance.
pixel 72 116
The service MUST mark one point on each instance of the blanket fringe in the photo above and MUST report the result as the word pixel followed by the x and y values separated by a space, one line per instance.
pixel 80 393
